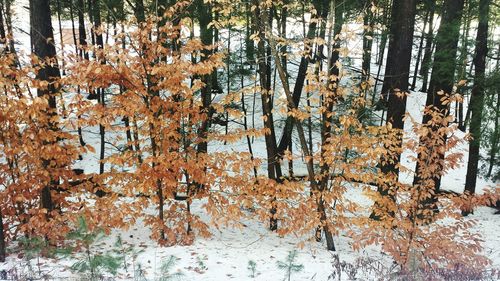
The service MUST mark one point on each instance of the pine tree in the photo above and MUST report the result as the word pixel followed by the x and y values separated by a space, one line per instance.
pixel 477 97
pixel 443 72
pixel 42 40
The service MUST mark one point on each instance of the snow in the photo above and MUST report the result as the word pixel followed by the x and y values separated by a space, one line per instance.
pixel 226 254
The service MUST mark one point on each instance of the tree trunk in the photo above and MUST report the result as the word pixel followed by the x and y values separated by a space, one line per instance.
pixel 137 144
pixel 61 35
pixel 381 52
pixel 249 30
pixel 2 236
pixel 462 67
pixel 75 41
pixel 429 38
pixel 327 119
pixel 419 53
pixel 91 18
pixel 82 38
pixel 228 84
pixel 496 138
pixel 367 43
pixel 2 27
pixel 303 143
pixel 207 37
pixel 96 16
pixel 139 11
pixel 443 72
pixel 322 7
pixel 395 87
pixel 245 118
pixel 282 32
pixel 264 69
pixel 477 96
pixel 397 71
pixel 385 34
pixel 8 23
pixel 43 46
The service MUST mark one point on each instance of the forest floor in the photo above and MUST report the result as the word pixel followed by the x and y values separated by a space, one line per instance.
pixel 227 254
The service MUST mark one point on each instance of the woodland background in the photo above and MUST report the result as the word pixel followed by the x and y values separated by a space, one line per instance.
pixel 344 127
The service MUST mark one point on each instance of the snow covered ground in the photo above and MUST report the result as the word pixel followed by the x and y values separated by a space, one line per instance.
pixel 226 255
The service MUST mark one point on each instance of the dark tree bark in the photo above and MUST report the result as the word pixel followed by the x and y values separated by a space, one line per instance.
pixel 395 87
pixel 8 23
pixel 477 97
pixel 385 33
pixel 381 51
pixel 95 11
pixel 321 207
pixel 282 32
pixel 419 53
pixel 139 11
pixel 367 42
pixel 91 18
pixel 322 7
pixel 496 138
pixel 82 38
pixel 60 35
pixel 245 119
pixel 207 37
pixel 429 38
pixel 77 51
pixel 42 40
pixel 327 115
pixel 462 65
pixel 249 30
pixel 126 119
pixel 443 72
pixel 2 26
pixel 137 145
pixel 397 71
pixel 2 236
pixel 264 69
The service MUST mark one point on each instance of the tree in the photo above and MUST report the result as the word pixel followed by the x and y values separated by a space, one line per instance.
pixel 322 8
pixel 443 71
pixel 207 36
pixel 477 97
pixel 95 13
pixel 463 62
pixel 329 101
pixel 2 232
pixel 264 70
pixel 494 138
pixel 42 40
pixel 2 27
pixel 397 74
pixel 429 39
pixel 139 10
pixel 6 6
pixel 368 26
pixel 2 239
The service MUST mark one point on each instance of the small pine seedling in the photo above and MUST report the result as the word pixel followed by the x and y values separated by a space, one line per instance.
pixel 139 273
pixel 123 250
pixel 289 265
pixel 32 248
pixel 252 267
pixel 92 264
pixel 201 264
pixel 166 266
